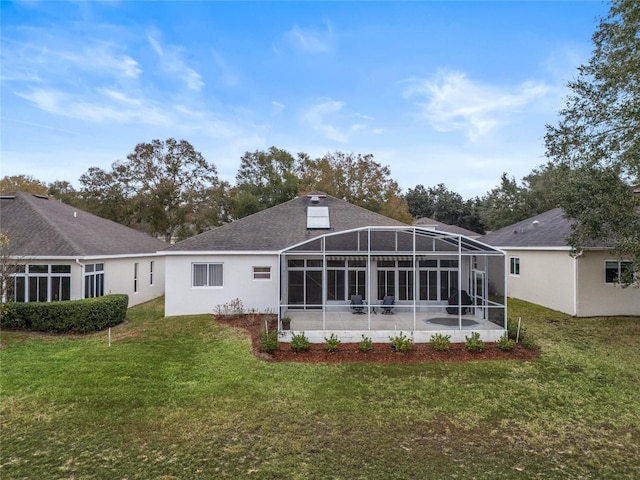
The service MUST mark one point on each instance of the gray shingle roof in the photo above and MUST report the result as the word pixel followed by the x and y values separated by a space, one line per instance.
pixel 444 227
pixel 282 226
pixel 548 229
pixel 41 226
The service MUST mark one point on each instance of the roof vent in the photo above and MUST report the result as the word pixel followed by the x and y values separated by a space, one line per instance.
pixel 535 223
pixel 315 199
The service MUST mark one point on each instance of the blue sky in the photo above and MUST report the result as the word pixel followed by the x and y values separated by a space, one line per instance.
pixel 442 92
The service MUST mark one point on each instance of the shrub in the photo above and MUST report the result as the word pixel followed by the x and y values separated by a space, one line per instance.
pixel 474 343
pixel 366 344
pixel 401 343
pixel 440 342
pixel 234 307
pixel 529 342
pixel 300 342
pixel 505 343
pixel 68 316
pixel 269 341
pixel 331 343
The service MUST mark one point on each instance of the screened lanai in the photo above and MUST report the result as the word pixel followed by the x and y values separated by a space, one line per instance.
pixel 438 282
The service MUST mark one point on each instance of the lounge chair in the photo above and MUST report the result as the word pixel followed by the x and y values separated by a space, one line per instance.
pixel 387 304
pixel 357 305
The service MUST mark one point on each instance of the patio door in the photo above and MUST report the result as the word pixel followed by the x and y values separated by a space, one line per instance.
pixel 305 289
pixel 478 294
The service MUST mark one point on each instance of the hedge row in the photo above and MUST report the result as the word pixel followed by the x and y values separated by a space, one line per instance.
pixel 74 316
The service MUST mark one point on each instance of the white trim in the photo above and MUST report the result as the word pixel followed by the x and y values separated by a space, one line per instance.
pixel 222 252
pixel 89 258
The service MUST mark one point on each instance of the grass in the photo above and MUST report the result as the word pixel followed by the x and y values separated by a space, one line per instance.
pixel 183 397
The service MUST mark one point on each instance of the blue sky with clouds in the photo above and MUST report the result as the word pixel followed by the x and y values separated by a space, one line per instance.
pixel 442 92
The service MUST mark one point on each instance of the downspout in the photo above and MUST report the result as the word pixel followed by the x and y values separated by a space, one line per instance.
pixel 81 278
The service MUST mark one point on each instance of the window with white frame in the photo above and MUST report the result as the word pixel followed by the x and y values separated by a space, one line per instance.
pixel 151 265
pixel 514 265
pixel 93 280
pixel 136 273
pixel 614 269
pixel 41 283
pixel 207 275
pixel 262 273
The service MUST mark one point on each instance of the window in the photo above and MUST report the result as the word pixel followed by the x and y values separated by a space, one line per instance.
pixel 151 272
pixel 41 283
pixel 514 265
pixel 136 271
pixel 94 280
pixel 207 275
pixel 262 273
pixel 614 269
pixel 438 279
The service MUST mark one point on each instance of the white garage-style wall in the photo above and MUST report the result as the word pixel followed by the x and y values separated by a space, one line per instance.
pixel 239 282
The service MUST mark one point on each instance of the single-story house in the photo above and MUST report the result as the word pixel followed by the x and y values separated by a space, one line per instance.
pixel 310 258
pixel 63 253
pixel 544 270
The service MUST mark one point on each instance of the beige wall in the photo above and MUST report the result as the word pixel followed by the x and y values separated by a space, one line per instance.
pixel 546 278
pixel 595 298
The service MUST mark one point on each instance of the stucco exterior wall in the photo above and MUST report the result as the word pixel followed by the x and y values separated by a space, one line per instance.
pixel 119 276
pixel 595 297
pixel 546 278
pixel 182 298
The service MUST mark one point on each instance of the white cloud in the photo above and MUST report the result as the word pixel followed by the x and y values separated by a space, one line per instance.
pixel 310 39
pixel 316 117
pixel 454 102
pixel 172 62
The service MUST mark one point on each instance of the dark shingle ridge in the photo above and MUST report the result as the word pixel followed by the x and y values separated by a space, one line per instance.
pixel 43 226
pixel 282 226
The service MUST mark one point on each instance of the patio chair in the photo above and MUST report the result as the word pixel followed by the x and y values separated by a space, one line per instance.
pixel 463 299
pixel 357 305
pixel 387 304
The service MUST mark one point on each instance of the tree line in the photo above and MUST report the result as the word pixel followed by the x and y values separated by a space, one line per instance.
pixel 168 189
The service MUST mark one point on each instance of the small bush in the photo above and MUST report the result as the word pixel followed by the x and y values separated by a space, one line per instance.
pixel 331 344
pixel 234 307
pixel 269 341
pixel 440 342
pixel 366 344
pixel 529 343
pixel 401 343
pixel 505 343
pixel 300 342
pixel 474 343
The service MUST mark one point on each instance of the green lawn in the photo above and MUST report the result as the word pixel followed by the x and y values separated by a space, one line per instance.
pixel 184 398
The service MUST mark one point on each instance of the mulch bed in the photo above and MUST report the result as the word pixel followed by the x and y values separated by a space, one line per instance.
pixel 381 353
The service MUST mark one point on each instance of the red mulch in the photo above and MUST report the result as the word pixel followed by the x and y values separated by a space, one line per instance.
pixel 381 353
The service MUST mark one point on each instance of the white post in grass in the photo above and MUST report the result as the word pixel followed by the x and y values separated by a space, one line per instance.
pixel 109 336
pixel 518 332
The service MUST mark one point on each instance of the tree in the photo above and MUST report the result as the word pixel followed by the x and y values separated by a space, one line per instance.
pixel 22 183
pixel 598 137
pixel 443 205
pixel 163 188
pixel 265 179
pixel 64 191
pixel 357 179
pixel 504 204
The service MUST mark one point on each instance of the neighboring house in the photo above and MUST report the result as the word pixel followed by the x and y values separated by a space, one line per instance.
pixel 543 270
pixel 430 224
pixel 306 258
pixel 64 253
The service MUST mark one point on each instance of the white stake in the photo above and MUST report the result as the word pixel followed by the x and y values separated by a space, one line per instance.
pixel 518 332
pixel 109 336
